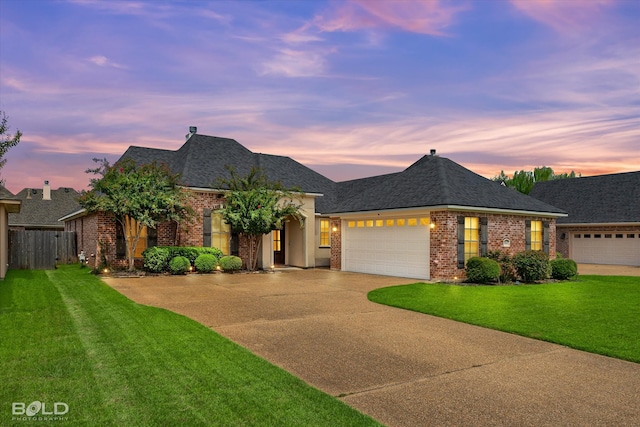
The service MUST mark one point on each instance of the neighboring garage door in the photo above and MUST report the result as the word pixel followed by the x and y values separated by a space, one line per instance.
pixel 606 248
pixel 389 246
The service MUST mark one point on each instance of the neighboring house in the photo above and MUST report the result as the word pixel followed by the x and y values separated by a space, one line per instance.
pixel 9 205
pixel 42 207
pixel 603 226
pixel 423 222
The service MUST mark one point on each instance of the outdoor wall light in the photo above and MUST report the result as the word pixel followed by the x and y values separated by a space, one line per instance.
pixel 334 229
pixel 432 225
pixel 105 271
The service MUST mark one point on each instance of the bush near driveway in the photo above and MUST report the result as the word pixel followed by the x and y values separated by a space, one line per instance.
pixel 205 263
pixel 563 268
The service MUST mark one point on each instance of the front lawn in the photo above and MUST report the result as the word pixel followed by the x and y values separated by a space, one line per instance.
pixel 67 337
pixel 598 314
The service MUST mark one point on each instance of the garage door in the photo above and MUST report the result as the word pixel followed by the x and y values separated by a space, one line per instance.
pixel 606 248
pixel 390 246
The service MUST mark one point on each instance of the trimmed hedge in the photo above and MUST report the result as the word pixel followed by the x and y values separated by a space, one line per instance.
pixel 508 271
pixel 482 270
pixel 179 265
pixel 532 266
pixel 230 263
pixel 206 263
pixel 563 268
pixel 157 258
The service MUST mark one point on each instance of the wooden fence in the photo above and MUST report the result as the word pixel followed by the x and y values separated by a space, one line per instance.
pixel 41 250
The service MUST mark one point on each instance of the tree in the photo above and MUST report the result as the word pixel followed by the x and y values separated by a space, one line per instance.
pixel 523 181
pixel 254 206
pixel 138 196
pixel 6 140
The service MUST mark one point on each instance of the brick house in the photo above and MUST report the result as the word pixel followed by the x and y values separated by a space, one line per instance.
pixel 603 226
pixel 423 222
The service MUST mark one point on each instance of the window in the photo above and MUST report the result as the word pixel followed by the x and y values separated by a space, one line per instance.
pixel 401 222
pixel 536 235
pixel 412 222
pixel 630 236
pixel 587 236
pixel 352 224
pixel 324 233
pixel 577 236
pixel 597 236
pixel 471 238
pixel 607 236
pixel 618 236
pixel 220 233
pixel 277 241
pixel 390 223
pixel 369 223
pixel 379 223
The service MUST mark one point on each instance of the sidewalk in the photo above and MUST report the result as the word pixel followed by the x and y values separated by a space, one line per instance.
pixel 400 367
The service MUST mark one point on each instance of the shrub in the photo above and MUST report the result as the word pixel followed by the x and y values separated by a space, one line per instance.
pixel 563 268
pixel 206 263
pixel 507 268
pixel 156 259
pixel 179 265
pixel 532 265
pixel 230 263
pixel 482 270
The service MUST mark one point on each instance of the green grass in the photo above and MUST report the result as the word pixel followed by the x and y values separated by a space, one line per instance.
pixel 598 314
pixel 68 337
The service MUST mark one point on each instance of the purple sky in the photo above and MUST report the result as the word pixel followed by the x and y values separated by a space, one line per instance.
pixel 348 88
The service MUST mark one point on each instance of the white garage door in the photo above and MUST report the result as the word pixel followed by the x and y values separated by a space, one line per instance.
pixel 606 248
pixel 390 246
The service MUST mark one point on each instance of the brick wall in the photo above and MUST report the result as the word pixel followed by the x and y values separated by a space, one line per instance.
pixel 335 262
pixel 501 227
pixel 444 240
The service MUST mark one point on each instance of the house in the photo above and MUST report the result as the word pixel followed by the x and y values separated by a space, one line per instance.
pixel 603 226
pixel 423 222
pixel 9 204
pixel 42 207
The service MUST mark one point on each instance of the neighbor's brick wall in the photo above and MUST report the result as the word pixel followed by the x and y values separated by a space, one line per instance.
pixel 91 230
pixel 444 239
pixel 336 244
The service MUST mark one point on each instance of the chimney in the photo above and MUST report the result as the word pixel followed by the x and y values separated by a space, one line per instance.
pixel 46 191
pixel 433 152
pixel 192 131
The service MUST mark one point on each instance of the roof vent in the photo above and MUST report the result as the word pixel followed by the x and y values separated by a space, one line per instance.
pixel 433 152
pixel 192 131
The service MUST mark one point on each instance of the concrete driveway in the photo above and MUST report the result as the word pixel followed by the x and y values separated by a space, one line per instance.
pixel 400 367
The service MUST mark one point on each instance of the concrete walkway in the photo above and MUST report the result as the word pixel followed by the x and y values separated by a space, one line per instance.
pixel 400 367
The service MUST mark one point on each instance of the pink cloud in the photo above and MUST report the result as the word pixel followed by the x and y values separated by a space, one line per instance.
pixel 425 17
pixel 563 16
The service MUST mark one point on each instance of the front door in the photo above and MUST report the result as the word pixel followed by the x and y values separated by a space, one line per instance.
pixel 278 247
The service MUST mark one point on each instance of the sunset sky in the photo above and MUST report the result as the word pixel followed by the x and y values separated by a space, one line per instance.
pixel 348 88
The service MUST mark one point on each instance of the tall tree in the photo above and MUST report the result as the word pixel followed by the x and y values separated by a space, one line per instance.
pixel 523 181
pixel 254 206
pixel 138 196
pixel 6 140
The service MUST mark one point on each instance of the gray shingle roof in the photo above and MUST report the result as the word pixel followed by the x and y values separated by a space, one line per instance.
pixel 202 159
pixel 594 199
pixel 36 212
pixel 429 182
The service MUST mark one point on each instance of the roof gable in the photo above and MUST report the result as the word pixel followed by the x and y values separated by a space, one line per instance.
pixel 597 199
pixel 37 212
pixel 433 181
pixel 201 162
